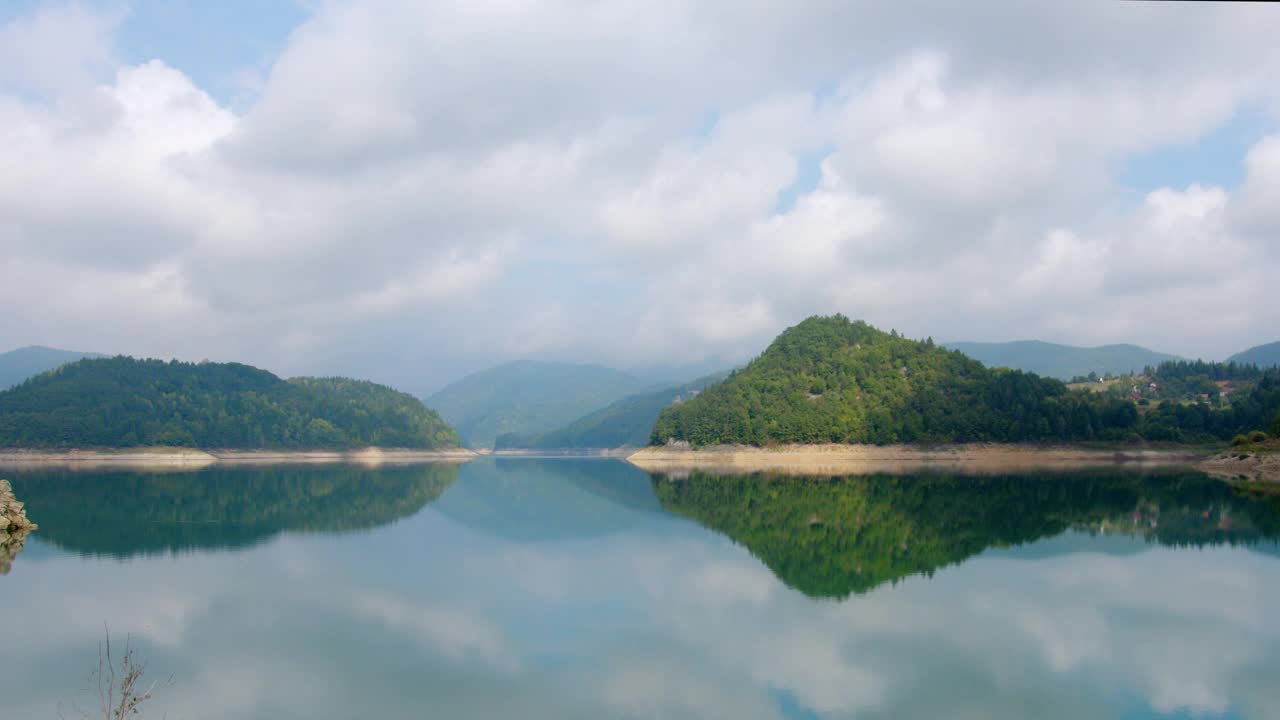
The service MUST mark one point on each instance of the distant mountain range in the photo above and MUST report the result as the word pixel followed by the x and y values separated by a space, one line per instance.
pixel 1263 355
pixel 553 405
pixel 624 423
pixel 18 365
pixel 1062 361
pixel 528 397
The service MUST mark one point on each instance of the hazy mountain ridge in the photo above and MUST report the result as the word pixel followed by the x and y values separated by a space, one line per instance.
pixel 625 423
pixel 528 397
pixel 17 366
pixel 1263 355
pixel 1063 362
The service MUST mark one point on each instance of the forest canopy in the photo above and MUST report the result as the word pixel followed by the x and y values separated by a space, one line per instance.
pixel 829 379
pixel 125 402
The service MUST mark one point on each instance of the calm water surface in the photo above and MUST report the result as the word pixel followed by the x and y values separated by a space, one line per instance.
pixel 589 589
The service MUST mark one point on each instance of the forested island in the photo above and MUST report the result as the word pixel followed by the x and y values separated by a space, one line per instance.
pixel 832 380
pixel 122 402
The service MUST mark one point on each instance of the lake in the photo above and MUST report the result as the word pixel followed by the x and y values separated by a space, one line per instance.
pixel 586 588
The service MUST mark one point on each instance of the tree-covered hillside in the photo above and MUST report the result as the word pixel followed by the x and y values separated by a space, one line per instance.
pixel 528 397
pixel 1263 356
pixel 23 363
pixel 1062 361
pixel 832 380
pixel 123 402
pixel 625 423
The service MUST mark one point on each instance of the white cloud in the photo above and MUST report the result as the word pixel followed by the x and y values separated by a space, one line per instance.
pixel 1258 209
pixel 56 49
pixel 423 165
pixel 659 687
pixel 455 633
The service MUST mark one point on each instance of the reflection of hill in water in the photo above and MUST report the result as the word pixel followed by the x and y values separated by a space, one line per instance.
pixel 532 499
pixel 127 513
pixel 835 536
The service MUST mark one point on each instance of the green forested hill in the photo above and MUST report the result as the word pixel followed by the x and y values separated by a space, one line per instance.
pixel 832 380
pixel 1263 356
pixel 528 397
pixel 625 423
pixel 123 402
pixel 1062 361
pixel 18 365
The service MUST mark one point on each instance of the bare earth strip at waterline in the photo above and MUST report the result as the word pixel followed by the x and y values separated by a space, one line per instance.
pixel 839 459
pixel 189 458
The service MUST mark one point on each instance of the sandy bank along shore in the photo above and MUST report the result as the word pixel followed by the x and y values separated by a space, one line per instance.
pixel 862 459
pixel 190 458
pixel 1236 464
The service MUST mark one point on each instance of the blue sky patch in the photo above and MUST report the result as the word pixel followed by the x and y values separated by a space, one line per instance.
pixel 210 41
pixel 808 175
pixel 1216 158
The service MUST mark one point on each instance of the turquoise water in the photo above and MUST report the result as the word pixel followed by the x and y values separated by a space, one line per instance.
pixel 589 589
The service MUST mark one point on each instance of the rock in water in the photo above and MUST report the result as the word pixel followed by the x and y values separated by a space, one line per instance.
pixel 14 526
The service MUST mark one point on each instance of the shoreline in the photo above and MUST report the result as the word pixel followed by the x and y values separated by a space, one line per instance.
pixel 192 459
pixel 827 459
pixel 563 453
pixel 836 459
pixel 1246 465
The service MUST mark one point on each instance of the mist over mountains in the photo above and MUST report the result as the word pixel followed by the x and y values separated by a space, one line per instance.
pixel 527 397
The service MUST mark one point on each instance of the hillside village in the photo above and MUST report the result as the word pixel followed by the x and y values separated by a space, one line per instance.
pixel 1181 382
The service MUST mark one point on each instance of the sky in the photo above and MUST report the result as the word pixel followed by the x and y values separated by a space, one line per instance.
pixel 409 191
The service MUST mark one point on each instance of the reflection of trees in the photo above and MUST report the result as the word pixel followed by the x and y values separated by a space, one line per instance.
pixel 834 536
pixel 621 483
pixel 527 499
pixel 126 513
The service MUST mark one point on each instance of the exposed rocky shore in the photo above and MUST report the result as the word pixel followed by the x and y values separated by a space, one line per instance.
pixel 1259 463
pixel 14 526
pixel 174 458
pixel 836 459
